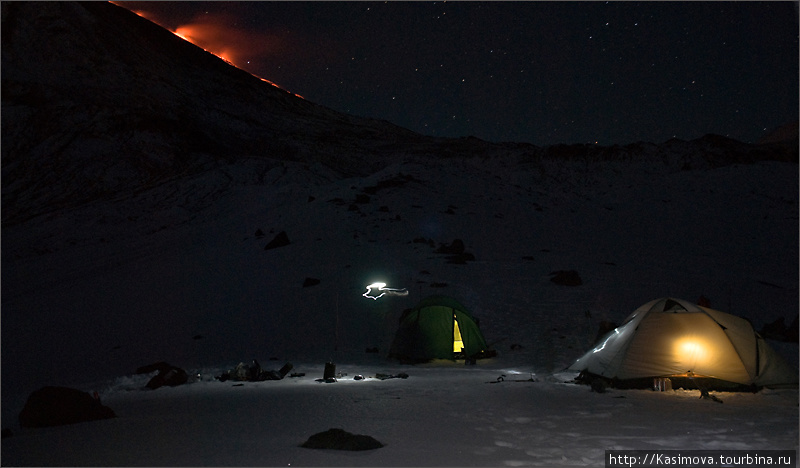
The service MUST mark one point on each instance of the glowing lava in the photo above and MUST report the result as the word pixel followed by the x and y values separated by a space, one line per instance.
pixel 207 38
pixel 232 45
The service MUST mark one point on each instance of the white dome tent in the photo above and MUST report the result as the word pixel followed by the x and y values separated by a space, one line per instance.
pixel 677 339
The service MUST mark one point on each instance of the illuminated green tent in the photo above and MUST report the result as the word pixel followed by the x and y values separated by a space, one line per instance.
pixel 438 327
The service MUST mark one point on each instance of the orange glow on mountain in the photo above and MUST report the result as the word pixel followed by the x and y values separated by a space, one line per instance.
pixel 209 39
pixel 235 46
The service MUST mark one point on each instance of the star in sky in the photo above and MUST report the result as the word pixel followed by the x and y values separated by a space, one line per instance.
pixel 538 72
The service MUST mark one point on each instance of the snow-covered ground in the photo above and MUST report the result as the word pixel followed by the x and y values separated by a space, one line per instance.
pixel 178 273
pixel 438 416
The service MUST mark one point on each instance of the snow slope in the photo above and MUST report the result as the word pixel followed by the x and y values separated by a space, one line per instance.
pixel 438 416
pixel 203 294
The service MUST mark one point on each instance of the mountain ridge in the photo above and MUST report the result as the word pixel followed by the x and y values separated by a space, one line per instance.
pixel 114 117
pixel 100 103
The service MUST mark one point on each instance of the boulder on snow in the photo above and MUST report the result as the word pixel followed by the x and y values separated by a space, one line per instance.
pixel 778 330
pixel 456 247
pixel 456 252
pixel 598 385
pixel 566 278
pixel 168 375
pixel 308 282
pixel 254 373
pixel 339 439
pixel 423 240
pixel 280 240
pixel 57 406
pixel 461 259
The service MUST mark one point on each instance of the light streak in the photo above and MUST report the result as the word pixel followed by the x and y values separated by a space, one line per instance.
pixel 384 291
pixel 603 345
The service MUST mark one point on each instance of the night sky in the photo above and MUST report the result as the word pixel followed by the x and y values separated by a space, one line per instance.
pixel 537 72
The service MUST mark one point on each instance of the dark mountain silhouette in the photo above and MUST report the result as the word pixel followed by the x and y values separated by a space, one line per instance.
pixel 99 103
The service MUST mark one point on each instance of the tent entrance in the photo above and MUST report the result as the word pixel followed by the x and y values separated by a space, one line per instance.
pixel 458 342
pixel 438 327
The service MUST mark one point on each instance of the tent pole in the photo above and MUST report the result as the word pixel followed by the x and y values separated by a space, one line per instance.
pixel 336 329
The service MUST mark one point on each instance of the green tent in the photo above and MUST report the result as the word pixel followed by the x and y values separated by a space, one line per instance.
pixel 438 327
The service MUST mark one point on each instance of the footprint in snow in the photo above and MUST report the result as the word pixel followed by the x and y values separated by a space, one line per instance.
pixel 502 443
pixel 520 420
pixel 516 463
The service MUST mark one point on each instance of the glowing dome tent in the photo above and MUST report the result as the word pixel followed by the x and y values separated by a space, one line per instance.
pixel 438 327
pixel 691 344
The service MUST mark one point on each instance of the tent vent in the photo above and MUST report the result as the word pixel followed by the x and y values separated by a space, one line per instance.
pixel 673 306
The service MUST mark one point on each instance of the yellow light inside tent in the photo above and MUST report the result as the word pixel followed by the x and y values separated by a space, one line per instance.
pixel 458 342
pixel 692 352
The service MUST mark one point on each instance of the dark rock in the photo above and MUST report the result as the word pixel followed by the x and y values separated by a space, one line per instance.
pixel 339 439
pixel 401 375
pixel 280 240
pixel 792 332
pixel 254 373
pixel 461 259
pixel 778 331
pixel 566 278
pixel 396 181
pixel 168 375
pixel 456 247
pixel 171 378
pixel 56 406
pixel 422 240
pixel 598 385
pixel 310 282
